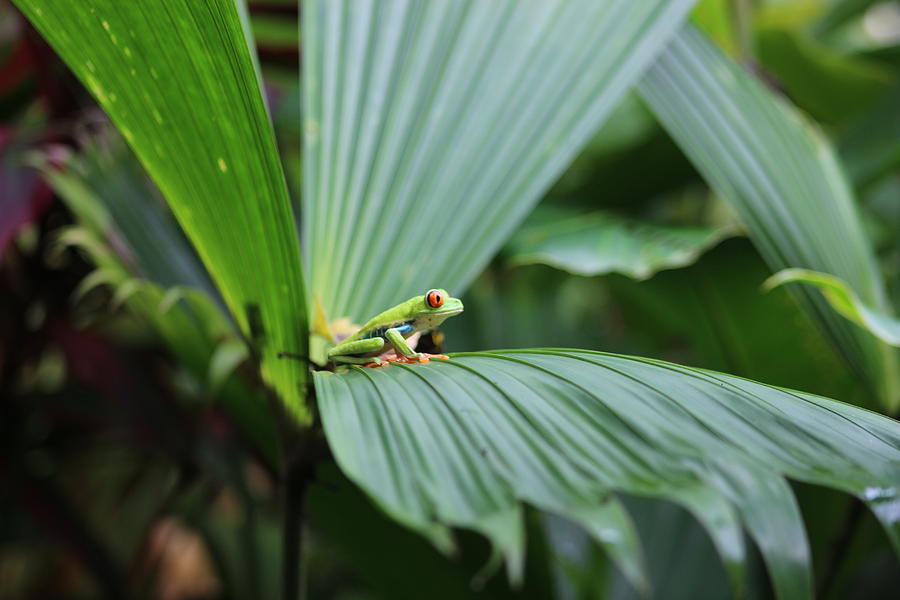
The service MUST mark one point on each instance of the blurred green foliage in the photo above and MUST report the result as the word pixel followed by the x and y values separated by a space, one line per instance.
pixel 127 472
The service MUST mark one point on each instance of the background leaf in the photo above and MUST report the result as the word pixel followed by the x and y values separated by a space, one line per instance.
pixel 783 181
pixel 599 243
pixel 562 429
pixel 432 128
pixel 178 80
pixel 140 252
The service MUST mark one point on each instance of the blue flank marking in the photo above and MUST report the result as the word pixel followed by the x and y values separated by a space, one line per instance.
pixel 403 328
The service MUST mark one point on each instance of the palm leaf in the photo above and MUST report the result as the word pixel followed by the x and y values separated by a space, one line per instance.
pixel 461 442
pixel 178 80
pixel 432 128
pixel 782 179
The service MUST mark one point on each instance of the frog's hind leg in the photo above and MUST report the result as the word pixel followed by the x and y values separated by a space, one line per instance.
pixel 358 360
pixel 349 352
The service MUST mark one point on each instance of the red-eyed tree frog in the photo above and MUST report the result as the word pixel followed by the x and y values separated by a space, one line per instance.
pixel 390 329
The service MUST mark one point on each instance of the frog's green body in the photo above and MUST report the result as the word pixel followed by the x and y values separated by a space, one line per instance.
pixel 390 329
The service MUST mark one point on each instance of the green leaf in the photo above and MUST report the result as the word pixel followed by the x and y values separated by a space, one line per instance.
pixel 783 181
pixel 600 243
pixel 462 441
pixel 844 300
pixel 178 80
pixel 432 128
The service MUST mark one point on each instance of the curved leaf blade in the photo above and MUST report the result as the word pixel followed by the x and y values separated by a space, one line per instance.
pixel 565 429
pixel 844 300
pixel 783 180
pixel 178 80
pixel 449 117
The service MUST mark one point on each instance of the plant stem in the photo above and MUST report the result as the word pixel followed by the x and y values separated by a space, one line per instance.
pixel 299 472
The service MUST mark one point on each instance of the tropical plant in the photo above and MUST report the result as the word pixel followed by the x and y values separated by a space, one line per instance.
pixel 430 130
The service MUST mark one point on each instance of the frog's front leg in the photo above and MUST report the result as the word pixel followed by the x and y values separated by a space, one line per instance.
pixel 348 352
pixel 399 343
pixel 405 353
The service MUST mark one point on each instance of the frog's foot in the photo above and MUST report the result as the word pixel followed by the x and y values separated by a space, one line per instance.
pixel 386 359
pixel 423 357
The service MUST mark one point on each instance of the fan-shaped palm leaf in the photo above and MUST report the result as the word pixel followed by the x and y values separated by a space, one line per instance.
pixel 783 180
pixel 458 442
pixel 432 128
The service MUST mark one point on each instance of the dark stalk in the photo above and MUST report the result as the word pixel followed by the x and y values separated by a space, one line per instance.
pixel 299 472
pixel 299 453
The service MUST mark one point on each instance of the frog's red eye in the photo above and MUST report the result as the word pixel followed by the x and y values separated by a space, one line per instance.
pixel 434 298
